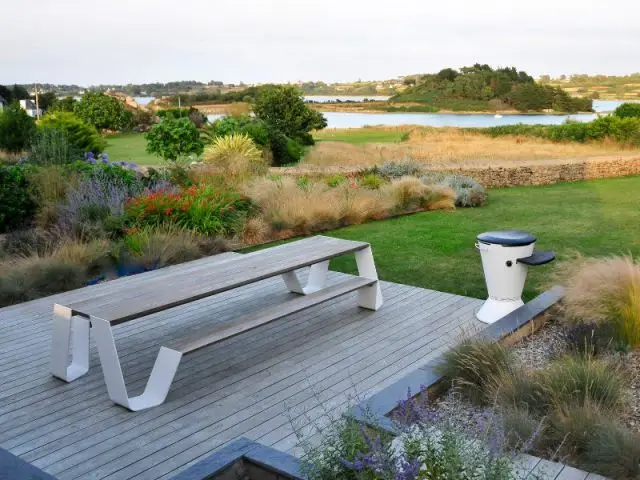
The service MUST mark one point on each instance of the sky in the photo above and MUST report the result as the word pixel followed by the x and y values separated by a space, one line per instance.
pixel 86 42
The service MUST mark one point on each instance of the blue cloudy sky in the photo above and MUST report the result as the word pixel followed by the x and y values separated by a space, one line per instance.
pixel 122 41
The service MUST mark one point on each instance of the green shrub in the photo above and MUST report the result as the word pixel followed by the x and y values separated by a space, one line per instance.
pixel 50 146
pixel 473 366
pixel 285 150
pixel 173 139
pixel 80 135
pixel 16 128
pixel 203 209
pixel 103 112
pixel 628 110
pixel 106 172
pixel 469 193
pixel 36 277
pixel 17 206
pixel 574 381
pixel 336 180
pixel 239 124
pixel 372 181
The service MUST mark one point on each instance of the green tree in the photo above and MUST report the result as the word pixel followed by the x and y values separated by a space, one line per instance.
pixel 80 134
pixel 16 128
pixel 173 138
pixel 46 100
pixel 283 109
pixel 103 112
pixel 65 104
pixel 628 110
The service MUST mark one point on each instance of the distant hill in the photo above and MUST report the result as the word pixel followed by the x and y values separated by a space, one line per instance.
pixel 606 87
pixel 481 88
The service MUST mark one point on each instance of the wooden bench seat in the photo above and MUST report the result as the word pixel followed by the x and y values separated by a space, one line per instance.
pixel 141 295
pixel 209 335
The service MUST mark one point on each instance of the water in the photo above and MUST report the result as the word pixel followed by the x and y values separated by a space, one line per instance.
pixel 357 120
pixel 143 100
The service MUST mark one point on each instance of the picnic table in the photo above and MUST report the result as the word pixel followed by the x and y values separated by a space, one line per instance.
pixel 147 293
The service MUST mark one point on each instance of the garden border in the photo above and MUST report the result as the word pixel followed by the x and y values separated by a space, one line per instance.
pixel 283 465
pixel 520 323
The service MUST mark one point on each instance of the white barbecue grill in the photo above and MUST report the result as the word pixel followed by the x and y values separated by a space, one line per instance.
pixel 506 256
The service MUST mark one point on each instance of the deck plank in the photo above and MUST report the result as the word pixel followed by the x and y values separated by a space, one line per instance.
pixel 245 385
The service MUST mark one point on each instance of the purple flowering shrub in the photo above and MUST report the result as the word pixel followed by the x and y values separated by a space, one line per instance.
pixel 425 446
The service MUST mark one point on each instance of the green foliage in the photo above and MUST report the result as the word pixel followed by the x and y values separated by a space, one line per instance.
pixel 614 451
pixel 372 181
pixel 283 109
pixel 622 130
pixel 336 180
pixel 172 139
pixel 50 146
pixel 80 135
pixel 628 110
pixel 66 104
pixel 240 124
pixel 108 172
pixel 13 94
pixel 16 128
pixel 474 366
pixel 16 205
pixel 203 209
pixel 284 150
pixel 103 112
pixel 472 88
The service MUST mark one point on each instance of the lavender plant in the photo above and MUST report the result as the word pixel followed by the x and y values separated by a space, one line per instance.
pixel 425 446
pixel 97 197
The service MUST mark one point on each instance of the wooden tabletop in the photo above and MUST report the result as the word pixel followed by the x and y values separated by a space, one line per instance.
pixel 145 294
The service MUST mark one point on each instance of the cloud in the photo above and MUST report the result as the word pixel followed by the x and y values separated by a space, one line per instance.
pixel 89 42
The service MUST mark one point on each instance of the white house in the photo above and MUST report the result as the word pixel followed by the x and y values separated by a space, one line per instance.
pixel 29 106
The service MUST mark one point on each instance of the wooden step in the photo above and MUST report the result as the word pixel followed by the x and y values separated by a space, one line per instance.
pixel 213 334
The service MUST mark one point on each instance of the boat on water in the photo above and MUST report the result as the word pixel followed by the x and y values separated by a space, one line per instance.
pixel 497 115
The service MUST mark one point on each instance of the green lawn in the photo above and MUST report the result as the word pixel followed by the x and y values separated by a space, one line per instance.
pixel 362 135
pixel 436 249
pixel 131 148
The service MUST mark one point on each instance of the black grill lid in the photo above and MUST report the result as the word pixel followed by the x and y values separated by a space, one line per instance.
pixel 509 238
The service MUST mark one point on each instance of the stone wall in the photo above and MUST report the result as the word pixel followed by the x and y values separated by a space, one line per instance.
pixel 545 174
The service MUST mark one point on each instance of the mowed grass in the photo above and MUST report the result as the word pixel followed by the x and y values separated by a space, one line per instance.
pixel 358 136
pixel 436 249
pixel 131 148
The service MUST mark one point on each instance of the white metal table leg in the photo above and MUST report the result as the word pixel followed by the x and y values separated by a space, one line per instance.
pixel 315 282
pixel 164 369
pixel 368 297
pixel 69 333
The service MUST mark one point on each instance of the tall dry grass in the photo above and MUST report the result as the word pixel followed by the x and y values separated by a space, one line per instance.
pixel 287 204
pixel 603 291
pixel 441 147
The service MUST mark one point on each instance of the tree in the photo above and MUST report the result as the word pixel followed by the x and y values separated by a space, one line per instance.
pixel 46 100
pixel 173 138
pixel 103 112
pixel 65 104
pixel 16 128
pixel 283 109
pixel 628 110
pixel 81 135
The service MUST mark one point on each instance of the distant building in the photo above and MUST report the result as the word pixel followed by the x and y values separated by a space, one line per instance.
pixel 29 106
pixel 3 103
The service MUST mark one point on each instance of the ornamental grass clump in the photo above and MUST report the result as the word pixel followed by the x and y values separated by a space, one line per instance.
pixel 469 193
pixel 474 366
pixel 236 156
pixel 603 291
pixel 410 194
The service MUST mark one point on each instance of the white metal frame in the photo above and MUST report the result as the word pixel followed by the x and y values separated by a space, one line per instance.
pixel 71 334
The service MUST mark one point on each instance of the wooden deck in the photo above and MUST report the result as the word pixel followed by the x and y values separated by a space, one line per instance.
pixel 252 385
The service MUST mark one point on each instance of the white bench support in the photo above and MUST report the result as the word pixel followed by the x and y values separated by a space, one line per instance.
pixel 315 281
pixel 164 369
pixel 69 333
pixel 368 297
